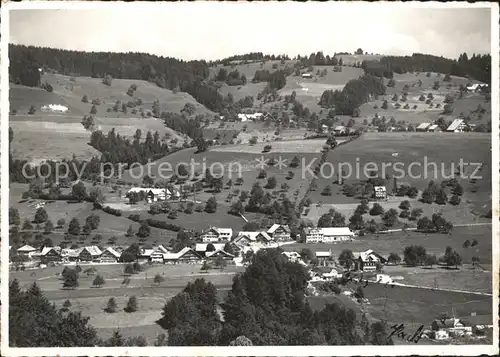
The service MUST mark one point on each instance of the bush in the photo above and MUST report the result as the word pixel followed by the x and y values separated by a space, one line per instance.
pixel 113 211
pixel 376 210
pixel 131 305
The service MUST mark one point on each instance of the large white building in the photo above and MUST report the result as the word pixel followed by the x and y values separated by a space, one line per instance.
pixel 214 234
pixel 328 234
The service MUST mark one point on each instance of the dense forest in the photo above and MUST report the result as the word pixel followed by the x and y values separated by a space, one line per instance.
pixel 170 73
pixel 355 93
pixel 477 67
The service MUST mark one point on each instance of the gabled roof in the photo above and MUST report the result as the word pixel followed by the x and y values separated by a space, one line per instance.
pixel 92 249
pixel 113 252
pixel 380 188
pixel 46 250
pixel 455 124
pixel 175 256
pixel 219 251
pixel 323 254
pixel 423 125
pixel 146 252
pixel 71 252
pixel 252 236
pixel 219 230
pixel 432 127
pixel 26 248
pixel 447 323
pixel 202 247
pixel 155 191
pixel 274 227
pixel 337 231
pixel 368 256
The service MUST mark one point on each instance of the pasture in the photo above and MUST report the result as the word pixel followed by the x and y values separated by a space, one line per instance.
pixel 232 164
pixel 434 243
pixel 52 135
pixel 425 113
pixel 409 306
pixel 433 156
pixel 151 297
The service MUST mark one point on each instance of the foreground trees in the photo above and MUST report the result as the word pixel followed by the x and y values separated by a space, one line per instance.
pixel 266 306
pixel 43 325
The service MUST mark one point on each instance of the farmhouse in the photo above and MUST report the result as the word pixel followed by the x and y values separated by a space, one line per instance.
pixel 145 254
pixel 26 250
pixel 367 261
pixel 335 273
pixel 213 234
pixel 186 255
pixel 219 254
pixel 434 128
pixel 152 194
pixel 201 248
pixel 307 75
pixel 450 327
pixel 423 127
pixel 157 254
pixel 247 238
pixel 457 126
pixel 50 254
pixel 340 130
pixel 294 257
pixel 110 255
pixel 89 254
pixel 380 192
pixel 476 87
pixel 324 257
pixel 246 117
pixel 328 234
pixel 280 233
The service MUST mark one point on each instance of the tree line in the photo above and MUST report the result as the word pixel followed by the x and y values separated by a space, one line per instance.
pixel 477 67
pixel 166 72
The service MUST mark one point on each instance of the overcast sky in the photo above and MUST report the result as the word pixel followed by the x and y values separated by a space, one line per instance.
pixel 216 30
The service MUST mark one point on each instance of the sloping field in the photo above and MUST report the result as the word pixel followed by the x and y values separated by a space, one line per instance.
pixel 309 91
pixel 424 113
pixel 423 150
pixel 290 146
pixel 434 243
pixel 62 134
pixel 233 165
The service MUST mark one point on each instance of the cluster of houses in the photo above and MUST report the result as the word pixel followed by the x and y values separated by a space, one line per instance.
pixel 214 242
pixel 453 327
pixel 154 194
pixel 456 126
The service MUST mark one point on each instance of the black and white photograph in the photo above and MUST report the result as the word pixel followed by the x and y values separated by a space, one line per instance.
pixel 320 177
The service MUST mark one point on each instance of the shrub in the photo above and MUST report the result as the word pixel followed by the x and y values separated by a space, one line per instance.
pixel 131 305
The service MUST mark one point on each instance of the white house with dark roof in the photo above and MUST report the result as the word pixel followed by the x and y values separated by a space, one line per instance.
pixel 110 255
pixel 246 238
pixel 201 248
pixel 90 254
pixel 214 234
pixel 185 255
pixel 280 233
pixel 368 260
pixel 26 250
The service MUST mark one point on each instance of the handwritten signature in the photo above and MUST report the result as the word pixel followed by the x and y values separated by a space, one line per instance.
pixel 399 331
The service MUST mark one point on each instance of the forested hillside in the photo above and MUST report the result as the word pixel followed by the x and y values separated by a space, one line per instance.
pixel 477 67
pixel 167 73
